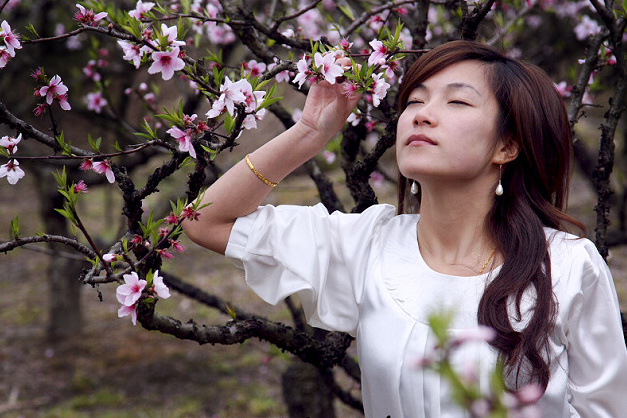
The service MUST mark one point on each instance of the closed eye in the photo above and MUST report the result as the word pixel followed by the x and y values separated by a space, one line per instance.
pixel 459 102
pixel 411 102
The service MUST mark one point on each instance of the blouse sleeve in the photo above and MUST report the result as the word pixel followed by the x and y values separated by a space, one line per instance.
pixel 304 250
pixel 597 355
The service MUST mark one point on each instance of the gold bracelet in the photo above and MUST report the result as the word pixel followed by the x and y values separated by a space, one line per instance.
pixel 258 174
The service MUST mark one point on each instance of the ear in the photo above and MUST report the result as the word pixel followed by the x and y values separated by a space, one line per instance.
pixel 506 150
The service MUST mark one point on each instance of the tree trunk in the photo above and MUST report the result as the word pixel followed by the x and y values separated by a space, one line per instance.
pixel 307 391
pixel 65 316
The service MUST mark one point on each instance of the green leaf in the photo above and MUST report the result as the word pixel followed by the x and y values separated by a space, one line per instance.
pixel 346 10
pixel 15 227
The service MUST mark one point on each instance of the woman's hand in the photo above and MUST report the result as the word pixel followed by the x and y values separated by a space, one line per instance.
pixel 327 106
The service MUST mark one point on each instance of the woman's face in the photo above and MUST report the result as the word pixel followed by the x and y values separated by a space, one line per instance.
pixel 448 128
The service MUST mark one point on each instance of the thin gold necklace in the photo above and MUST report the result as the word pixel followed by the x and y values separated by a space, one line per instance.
pixel 487 261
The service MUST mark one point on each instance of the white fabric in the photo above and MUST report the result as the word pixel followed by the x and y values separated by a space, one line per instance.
pixel 363 274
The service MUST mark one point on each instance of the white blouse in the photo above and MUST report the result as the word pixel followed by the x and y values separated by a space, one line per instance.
pixel 363 274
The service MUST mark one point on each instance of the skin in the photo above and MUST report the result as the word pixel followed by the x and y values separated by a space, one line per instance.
pixel 447 140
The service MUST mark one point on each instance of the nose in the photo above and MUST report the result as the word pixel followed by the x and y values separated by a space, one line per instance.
pixel 424 116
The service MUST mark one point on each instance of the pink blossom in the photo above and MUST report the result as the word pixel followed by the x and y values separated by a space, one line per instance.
pixel 253 68
pixel 11 40
pixel 303 72
pixel 104 167
pixel 310 23
pixel 377 179
pixel 132 52
pixel 184 139
pixel 177 245
pixel 345 45
pixel 128 310
pixel 140 9
pixel 88 17
pixel 529 394
pixel 53 89
pixel 110 257
pixel 10 143
pixel 164 254
pixel 62 99
pixel 232 94
pixel 563 89
pixel 379 52
pixel 349 89
pixel 220 34
pixel 329 156
pixel 87 164
pixel 171 219
pixel 12 171
pixel 191 214
pixel 586 27
pixel 95 101
pixel 80 187
pixel 379 90
pixel 5 57
pixel 130 292
pixel 159 287
pixel 40 109
pixel 171 33
pixel 166 62
pixel 91 71
pixel 354 118
pixel 327 66
pixel 481 333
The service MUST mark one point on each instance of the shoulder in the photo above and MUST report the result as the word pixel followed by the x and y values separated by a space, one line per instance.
pixel 575 258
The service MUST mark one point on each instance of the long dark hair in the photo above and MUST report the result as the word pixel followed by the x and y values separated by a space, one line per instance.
pixel 532 115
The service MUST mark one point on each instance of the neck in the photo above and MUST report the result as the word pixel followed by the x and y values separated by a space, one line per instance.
pixel 452 232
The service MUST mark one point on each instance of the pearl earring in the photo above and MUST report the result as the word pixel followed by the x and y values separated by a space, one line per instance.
pixel 499 188
pixel 414 187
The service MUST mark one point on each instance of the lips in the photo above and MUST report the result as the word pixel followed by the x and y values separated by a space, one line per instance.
pixel 417 140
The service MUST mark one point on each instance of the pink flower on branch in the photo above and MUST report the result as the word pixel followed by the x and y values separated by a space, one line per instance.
pixel 166 63
pixel 141 9
pixel 11 171
pixel 88 17
pixel 54 89
pixel 171 33
pixel 11 40
pixel 327 66
pixel 80 187
pixel 184 139
pixel 128 310
pixel 159 287
pixel 129 293
pixel 379 90
pixel 379 52
pixel 95 101
pixel 303 72
pixel 10 143
pixel 5 57
pixel 132 52
pixel 104 167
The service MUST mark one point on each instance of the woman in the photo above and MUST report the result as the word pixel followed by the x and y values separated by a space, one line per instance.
pixel 486 140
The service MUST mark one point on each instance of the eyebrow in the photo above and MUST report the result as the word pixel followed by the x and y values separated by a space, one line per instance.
pixel 454 86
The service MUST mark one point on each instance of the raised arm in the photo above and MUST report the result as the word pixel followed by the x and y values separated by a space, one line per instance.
pixel 240 191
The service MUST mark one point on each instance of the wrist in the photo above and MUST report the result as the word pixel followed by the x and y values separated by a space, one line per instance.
pixel 312 135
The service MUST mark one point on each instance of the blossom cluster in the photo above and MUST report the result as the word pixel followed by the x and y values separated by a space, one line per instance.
pixel 323 66
pixel 101 167
pixel 52 89
pixel 130 293
pixel 9 42
pixel 190 130
pixel 162 46
pixel 464 377
pixel 234 93
pixel 11 170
